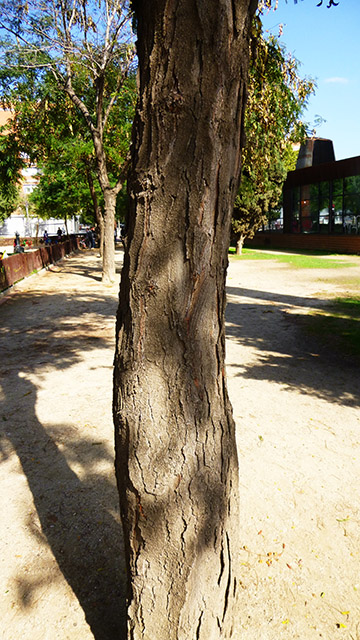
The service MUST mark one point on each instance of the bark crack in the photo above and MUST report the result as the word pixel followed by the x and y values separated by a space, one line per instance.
pixel 199 625
pixel 226 598
pixel 183 542
pixel 222 564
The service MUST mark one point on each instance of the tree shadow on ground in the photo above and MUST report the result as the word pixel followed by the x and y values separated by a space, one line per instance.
pixel 78 267
pixel 285 300
pixel 277 327
pixel 81 526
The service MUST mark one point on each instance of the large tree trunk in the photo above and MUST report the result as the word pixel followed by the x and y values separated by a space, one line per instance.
pixel 176 459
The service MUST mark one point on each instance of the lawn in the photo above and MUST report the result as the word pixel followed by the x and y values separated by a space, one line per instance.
pixel 338 325
pixel 296 260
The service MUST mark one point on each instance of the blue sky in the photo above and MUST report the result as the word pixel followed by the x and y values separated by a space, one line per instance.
pixel 327 43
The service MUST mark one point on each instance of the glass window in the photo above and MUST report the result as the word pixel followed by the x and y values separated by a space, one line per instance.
pixel 352 184
pixel 28 188
pixel 337 187
pixel 295 210
pixel 327 207
pixel 309 208
pixel 352 213
pixel 337 205
pixel 324 197
pixel 314 207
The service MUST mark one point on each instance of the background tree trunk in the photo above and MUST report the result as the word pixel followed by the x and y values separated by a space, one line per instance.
pixel 176 459
pixel 97 209
pixel 108 247
pixel 66 225
pixel 100 222
pixel 240 244
pixel 110 195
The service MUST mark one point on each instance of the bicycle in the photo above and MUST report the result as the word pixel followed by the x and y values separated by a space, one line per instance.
pixel 84 243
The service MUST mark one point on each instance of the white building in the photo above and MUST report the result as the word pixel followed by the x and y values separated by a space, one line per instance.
pixel 26 225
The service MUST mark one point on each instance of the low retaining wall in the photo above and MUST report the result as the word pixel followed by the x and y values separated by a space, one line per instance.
pixel 20 265
pixel 310 242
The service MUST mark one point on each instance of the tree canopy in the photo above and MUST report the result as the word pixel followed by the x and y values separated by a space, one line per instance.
pixel 277 96
pixel 11 163
pixel 268 4
pixel 86 49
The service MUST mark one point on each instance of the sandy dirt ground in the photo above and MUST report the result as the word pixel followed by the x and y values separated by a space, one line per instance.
pixel 296 406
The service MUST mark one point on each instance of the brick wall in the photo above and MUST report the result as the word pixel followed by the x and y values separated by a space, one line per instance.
pixel 310 242
pixel 18 266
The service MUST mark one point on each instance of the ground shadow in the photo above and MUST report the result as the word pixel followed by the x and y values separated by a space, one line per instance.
pixel 79 526
pixel 78 267
pixel 276 326
pixel 285 300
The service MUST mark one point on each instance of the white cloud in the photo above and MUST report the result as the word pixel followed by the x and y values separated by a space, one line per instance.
pixel 337 80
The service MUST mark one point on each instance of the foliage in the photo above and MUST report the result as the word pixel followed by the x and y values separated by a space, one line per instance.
pixel 77 45
pixel 8 201
pixel 82 50
pixel 277 97
pixel 11 163
pixel 268 4
pixel 60 193
pixel 53 134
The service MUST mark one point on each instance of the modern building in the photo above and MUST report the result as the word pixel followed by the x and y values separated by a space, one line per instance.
pixel 321 202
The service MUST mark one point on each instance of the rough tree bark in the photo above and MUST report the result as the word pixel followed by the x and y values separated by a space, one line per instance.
pixel 108 246
pixel 176 459
pixel 110 195
pixel 106 220
pixel 97 210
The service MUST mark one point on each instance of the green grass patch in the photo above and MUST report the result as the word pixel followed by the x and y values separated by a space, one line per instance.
pixel 300 261
pixel 338 326
pixel 296 260
pixel 347 283
pixel 252 254
pixel 349 305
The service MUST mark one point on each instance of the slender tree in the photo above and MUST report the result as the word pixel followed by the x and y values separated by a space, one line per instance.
pixel 50 130
pixel 277 98
pixel 86 47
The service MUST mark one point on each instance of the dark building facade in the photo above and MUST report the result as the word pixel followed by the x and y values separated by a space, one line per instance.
pixel 321 202
pixel 322 196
